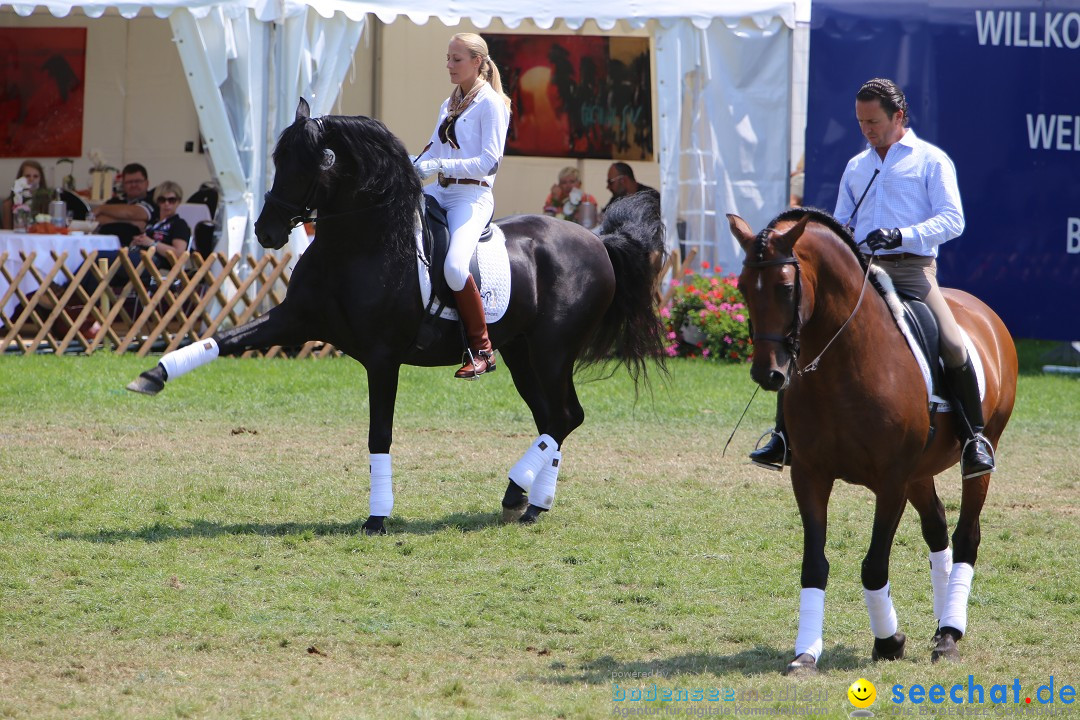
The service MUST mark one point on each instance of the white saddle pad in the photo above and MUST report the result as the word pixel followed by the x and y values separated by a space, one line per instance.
pixel 916 349
pixel 494 280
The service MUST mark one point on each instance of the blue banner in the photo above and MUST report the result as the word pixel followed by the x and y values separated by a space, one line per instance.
pixel 996 85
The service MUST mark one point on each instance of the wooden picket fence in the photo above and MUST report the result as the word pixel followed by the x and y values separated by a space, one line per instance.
pixel 103 306
pixel 107 306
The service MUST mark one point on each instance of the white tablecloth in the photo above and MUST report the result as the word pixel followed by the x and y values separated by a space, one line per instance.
pixel 14 243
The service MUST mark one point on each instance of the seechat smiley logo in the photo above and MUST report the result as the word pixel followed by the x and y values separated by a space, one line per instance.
pixel 862 693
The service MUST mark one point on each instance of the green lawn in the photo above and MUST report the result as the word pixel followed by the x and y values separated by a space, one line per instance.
pixel 197 555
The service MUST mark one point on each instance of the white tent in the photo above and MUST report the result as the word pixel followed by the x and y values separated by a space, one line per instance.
pixel 723 88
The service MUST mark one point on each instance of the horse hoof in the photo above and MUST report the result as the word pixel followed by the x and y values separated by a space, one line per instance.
pixel 513 514
pixel 890 648
pixel 805 664
pixel 150 382
pixel 514 503
pixel 531 514
pixel 945 647
pixel 374 525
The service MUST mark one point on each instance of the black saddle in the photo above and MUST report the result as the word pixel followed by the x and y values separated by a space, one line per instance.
pixel 436 243
pixel 924 328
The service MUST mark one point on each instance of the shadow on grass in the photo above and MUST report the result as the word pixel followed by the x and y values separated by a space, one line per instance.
pixel 161 532
pixel 759 660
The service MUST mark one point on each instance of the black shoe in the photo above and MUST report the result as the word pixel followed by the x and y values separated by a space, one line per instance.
pixel 774 454
pixel 978 458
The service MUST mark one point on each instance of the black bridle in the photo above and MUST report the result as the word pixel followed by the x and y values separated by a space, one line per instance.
pixel 298 213
pixel 791 340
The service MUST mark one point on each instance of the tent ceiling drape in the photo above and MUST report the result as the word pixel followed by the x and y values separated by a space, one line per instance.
pixel 723 87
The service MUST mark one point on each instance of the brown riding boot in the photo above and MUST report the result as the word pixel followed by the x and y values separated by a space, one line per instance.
pixel 480 358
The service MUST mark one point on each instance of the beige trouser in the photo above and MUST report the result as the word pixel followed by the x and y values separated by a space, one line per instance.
pixel 917 276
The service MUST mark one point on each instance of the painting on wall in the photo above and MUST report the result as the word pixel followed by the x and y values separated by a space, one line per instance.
pixel 42 79
pixel 577 96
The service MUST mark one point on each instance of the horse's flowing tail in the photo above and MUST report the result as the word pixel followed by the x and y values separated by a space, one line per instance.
pixel 631 329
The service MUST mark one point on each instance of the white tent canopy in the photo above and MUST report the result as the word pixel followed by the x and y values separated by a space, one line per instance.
pixel 723 88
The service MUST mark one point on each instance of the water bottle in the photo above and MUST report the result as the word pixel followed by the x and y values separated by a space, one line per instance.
pixel 588 214
pixel 58 211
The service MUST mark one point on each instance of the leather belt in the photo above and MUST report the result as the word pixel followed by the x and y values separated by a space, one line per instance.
pixel 448 181
pixel 895 257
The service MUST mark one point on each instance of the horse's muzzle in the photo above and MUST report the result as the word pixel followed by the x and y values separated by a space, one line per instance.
pixel 271 239
pixel 769 377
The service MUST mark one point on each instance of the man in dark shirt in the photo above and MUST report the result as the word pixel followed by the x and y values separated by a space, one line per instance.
pixel 128 216
pixel 621 183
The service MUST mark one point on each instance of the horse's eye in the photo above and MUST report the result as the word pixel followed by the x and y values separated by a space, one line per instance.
pixel 785 291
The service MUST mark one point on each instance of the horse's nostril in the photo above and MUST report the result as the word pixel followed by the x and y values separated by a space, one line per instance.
pixel 777 378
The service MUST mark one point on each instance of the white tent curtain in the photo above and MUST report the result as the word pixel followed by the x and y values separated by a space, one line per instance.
pixel 725 120
pixel 245 77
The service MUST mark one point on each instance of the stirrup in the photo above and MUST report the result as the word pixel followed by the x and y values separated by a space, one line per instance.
pixel 778 467
pixel 470 363
pixel 989 451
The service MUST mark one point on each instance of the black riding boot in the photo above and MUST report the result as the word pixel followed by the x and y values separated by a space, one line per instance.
pixel 978 458
pixel 776 453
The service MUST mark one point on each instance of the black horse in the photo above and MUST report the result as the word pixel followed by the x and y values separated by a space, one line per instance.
pixel 576 299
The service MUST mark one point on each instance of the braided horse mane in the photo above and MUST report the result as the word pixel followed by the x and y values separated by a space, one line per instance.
pixel 371 173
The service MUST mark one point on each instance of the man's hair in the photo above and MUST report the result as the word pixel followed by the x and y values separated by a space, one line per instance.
pixel 889 93
pixel 135 168
pixel 623 169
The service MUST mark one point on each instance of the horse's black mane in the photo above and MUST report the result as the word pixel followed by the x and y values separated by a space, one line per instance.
pixel 371 167
pixel 816 215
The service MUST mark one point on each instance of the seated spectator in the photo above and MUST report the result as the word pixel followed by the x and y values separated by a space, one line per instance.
pixel 566 197
pixel 128 216
pixel 621 183
pixel 169 235
pixel 39 196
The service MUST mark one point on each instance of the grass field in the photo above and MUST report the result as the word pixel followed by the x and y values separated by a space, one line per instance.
pixel 197 555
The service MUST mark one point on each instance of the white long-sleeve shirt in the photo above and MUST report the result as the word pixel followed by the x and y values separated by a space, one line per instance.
pixel 916 192
pixel 481 137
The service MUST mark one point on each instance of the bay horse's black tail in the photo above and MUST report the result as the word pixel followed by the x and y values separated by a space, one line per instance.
pixel 631 330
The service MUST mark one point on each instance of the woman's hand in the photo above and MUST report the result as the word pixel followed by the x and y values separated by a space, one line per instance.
pixel 143 240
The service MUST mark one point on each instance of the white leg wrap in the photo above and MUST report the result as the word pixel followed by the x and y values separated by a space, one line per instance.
pixel 186 359
pixel 382 485
pixel 811 622
pixel 940 567
pixel 533 461
pixel 542 493
pixel 956 601
pixel 882 613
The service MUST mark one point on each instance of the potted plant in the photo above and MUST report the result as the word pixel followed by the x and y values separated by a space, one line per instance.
pixel 707 317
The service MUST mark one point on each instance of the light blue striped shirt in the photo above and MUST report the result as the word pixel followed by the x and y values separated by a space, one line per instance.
pixel 916 191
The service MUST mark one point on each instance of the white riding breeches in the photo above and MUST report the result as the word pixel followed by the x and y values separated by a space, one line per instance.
pixel 468 211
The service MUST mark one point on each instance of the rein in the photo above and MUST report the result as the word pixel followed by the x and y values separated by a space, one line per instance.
pixel 791 340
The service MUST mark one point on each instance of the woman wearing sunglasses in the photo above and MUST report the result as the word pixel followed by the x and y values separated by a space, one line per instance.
pixel 465 151
pixel 168 236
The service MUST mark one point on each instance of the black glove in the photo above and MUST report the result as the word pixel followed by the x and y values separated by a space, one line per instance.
pixel 883 239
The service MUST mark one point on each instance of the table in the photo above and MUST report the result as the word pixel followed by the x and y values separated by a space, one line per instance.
pixel 14 243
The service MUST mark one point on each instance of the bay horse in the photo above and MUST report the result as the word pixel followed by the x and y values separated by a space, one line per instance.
pixel 862 415
pixel 576 299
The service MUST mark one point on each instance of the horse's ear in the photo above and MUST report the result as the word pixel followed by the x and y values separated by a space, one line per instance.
pixel 793 233
pixel 303 110
pixel 741 231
